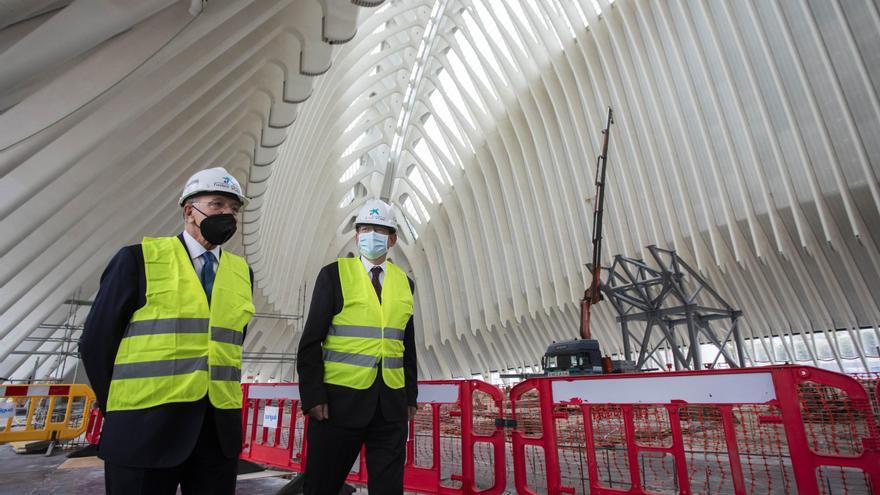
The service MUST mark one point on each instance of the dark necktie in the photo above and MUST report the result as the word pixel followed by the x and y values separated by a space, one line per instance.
pixel 376 271
pixel 207 275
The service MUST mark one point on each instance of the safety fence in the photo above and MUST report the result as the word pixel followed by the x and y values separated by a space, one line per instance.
pixel 43 412
pixel 784 429
pixel 93 428
pixel 273 426
pixel 456 443
pixel 760 430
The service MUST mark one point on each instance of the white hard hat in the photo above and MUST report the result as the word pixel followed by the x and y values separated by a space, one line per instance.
pixel 213 180
pixel 377 212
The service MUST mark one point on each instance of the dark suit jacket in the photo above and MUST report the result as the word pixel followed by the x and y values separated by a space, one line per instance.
pixel 348 407
pixel 157 437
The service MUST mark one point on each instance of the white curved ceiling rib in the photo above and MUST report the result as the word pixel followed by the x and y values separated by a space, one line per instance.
pixel 744 138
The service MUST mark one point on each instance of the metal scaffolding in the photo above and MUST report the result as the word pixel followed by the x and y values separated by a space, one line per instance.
pixel 671 307
pixel 61 343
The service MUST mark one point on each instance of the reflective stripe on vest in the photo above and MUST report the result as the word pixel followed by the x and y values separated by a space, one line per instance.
pixel 150 369
pixel 349 358
pixel 176 348
pixel 367 332
pixel 167 325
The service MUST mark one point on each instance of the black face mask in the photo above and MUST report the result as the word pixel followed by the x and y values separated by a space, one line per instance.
pixel 217 229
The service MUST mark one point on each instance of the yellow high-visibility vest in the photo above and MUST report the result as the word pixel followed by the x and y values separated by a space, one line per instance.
pixel 367 333
pixel 177 348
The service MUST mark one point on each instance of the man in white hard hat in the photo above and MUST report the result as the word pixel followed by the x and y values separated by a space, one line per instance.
pixel 162 350
pixel 357 362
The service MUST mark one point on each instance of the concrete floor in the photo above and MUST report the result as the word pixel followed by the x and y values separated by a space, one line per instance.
pixel 37 474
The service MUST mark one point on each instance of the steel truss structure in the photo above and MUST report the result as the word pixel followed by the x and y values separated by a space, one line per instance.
pixel 662 300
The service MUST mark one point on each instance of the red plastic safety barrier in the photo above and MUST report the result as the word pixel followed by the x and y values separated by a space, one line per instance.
pixel 779 429
pixel 757 430
pixel 455 445
pixel 457 425
pixel 273 427
pixel 93 429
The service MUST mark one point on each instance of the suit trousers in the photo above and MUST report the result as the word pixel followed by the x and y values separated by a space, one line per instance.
pixel 205 472
pixel 332 450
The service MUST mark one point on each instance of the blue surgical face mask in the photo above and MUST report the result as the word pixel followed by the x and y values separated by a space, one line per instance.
pixel 372 244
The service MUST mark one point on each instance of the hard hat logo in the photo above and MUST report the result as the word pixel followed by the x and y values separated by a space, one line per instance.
pixel 213 180
pixel 377 212
pixel 231 183
pixel 228 182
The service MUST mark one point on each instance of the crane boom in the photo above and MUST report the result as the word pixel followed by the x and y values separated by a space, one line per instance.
pixel 593 295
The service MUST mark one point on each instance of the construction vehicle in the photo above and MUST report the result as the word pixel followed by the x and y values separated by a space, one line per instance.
pixel 583 356
pixel 572 357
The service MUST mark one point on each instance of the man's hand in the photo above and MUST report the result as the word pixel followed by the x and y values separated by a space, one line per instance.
pixel 319 412
pixel 411 412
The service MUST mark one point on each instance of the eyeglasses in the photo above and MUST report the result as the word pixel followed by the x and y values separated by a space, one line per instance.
pixel 221 204
pixel 363 229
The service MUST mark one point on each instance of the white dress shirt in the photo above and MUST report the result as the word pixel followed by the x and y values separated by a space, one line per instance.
pixel 196 251
pixel 369 266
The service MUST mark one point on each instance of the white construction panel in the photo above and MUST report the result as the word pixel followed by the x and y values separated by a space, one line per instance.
pixel 438 392
pixel 286 392
pixel 748 388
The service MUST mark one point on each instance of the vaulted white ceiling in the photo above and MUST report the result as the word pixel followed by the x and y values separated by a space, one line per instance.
pixel 108 107
pixel 745 137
